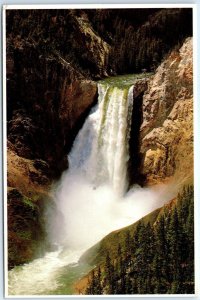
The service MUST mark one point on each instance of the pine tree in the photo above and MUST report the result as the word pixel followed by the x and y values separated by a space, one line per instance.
pixel 91 289
pixel 99 288
pixel 128 249
pixel 149 249
pixel 110 275
pixel 174 240
pixel 157 259
pixel 161 257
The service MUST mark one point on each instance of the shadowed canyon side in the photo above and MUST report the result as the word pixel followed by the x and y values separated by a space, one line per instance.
pixel 91 150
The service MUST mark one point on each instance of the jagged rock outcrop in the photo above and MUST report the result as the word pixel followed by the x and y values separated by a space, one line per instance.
pixel 166 136
pixel 26 235
pixel 45 108
pixel 90 47
pixel 76 101
pixel 28 192
pixel 28 176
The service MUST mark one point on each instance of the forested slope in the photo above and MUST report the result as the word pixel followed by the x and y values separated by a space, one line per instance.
pixel 155 257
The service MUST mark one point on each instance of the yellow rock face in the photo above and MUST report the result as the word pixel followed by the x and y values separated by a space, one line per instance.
pixel 167 128
pixel 76 99
pixel 25 177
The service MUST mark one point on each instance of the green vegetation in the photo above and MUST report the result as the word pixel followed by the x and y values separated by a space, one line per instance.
pixel 137 47
pixel 29 203
pixel 25 231
pixel 154 258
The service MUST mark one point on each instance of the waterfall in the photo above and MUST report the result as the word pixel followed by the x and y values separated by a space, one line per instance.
pixel 115 106
pixel 101 149
pixel 97 168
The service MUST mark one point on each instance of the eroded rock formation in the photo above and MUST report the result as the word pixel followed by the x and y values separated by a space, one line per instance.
pixel 167 129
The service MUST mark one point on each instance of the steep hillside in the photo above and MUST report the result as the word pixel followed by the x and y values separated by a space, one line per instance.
pixel 97 254
pixel 153 256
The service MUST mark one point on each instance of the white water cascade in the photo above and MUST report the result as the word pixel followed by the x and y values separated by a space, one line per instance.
pixel 101 150
pixel 91 197
pixel 97 168
pixel 115 113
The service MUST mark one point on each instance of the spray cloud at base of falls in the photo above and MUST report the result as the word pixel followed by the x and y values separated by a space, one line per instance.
pixel 91 199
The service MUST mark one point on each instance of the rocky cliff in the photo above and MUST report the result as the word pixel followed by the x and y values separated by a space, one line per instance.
pixel 52 56
pixel 166 133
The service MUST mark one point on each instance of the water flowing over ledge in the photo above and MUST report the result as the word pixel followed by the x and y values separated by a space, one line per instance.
pixel 101 149
pixel 91 198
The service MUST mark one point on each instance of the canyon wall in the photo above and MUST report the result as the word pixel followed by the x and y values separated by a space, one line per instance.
pixel 54 58
pixel 166 133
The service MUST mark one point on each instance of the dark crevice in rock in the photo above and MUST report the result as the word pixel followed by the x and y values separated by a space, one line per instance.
pixel 134 144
